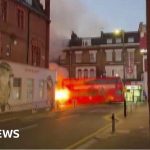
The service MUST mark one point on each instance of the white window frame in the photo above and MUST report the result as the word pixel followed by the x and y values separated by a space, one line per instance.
pixel 114 70
pixel 17 88
pixel 41 88
pixel 86 42
pixel 132 50
pixel 118 54
pixel 131 57
pixel 88 68
pixel 118 40
pixel 30 90
pixel 131 40
pixel 109 41
pixel 109 55
pixel 78 56
pixel 92 56
pixel 92 73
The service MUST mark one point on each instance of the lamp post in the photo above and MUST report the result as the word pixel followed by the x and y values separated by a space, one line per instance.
pixel 122 33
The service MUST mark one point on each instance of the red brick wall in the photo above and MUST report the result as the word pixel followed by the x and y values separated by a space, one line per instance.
pixel 37 30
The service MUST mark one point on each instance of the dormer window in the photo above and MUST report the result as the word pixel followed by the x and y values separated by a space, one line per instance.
pixel 109 41
pixel 130 40
pixel 86 42
pixel 29 2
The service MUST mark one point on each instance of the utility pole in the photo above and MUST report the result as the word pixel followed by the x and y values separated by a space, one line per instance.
pixel 148 51
pixel 122 33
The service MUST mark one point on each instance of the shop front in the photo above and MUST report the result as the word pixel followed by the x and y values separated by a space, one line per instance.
pixel 134 93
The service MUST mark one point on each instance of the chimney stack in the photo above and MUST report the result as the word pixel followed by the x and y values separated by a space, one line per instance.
pixel 47 8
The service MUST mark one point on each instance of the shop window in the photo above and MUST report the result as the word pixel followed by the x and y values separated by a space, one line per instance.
pixel 17 88
pixel 41 89
pixel 30 89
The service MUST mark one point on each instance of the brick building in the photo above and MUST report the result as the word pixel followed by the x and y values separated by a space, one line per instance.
pixel 107 54
pixel 24 31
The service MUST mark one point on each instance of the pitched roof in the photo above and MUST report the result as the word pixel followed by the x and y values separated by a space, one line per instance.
pixel 35 6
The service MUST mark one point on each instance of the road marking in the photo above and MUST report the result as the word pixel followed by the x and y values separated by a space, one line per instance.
pixel 66 117
pixel 86 145
pixel 87 137
pixel 8 119
pixel 82 141
pixel 29 127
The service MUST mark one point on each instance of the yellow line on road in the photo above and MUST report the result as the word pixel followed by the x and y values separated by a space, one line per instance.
pixel 8 119
pixel 80 142
pixel 88 137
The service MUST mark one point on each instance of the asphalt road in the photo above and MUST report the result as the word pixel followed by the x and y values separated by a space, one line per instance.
pixel 55 130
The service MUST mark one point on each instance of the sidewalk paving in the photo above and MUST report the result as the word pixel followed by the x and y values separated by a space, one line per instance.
pixel 131 132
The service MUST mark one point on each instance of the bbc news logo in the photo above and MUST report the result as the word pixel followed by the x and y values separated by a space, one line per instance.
pixel 9 134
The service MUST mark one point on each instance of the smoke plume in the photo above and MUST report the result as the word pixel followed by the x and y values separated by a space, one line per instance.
pixel 68 16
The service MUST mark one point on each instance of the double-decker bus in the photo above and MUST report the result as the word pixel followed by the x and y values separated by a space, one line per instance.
pixel 101 90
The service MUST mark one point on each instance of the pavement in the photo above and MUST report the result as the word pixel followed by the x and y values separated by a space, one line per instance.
pixel 131 132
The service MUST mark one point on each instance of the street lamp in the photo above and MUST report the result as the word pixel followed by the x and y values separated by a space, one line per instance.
pixel 119 32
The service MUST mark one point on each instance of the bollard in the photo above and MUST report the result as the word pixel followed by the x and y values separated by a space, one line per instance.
pixel 74 103
pixel 125 109
pixel 113 122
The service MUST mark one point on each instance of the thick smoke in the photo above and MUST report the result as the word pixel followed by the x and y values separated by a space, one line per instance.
pixel 68 16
